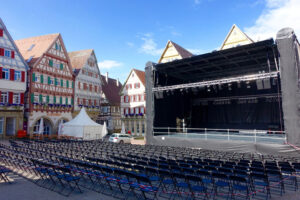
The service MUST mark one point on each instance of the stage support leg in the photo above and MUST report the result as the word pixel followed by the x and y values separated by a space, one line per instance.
pixel 288 48
pixel 149 70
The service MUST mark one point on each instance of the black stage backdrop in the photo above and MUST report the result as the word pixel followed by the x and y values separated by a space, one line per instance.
pixel 205 109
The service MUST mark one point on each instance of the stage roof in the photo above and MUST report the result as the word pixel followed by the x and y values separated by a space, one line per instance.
pixel 242 60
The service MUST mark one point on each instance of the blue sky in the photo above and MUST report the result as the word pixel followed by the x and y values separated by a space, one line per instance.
pixel 127 33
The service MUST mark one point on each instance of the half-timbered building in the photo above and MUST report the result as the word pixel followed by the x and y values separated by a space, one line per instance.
pixel 110 104
pixel 49 101
pixel 12 84
pixel 87 82
pixel 133 103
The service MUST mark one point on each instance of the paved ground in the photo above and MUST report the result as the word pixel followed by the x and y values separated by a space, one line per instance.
pixel 22 189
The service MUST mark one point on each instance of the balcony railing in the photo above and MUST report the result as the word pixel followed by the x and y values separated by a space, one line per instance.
pixel 255 136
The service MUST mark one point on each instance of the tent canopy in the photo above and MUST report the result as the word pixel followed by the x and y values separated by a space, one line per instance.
pixel 84 127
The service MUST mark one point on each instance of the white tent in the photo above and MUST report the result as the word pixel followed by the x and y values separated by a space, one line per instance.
pixel 82 126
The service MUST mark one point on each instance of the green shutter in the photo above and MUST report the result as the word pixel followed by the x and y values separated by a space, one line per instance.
pixel 61 82
pixel 41 98
pixel 42 78
pixel 56 46
pixel 33 77
pixel 60 100
pixel 54 99
pixel 72 101
pixel 32 98
pixel 55 81
pixel 66 100
pixel 61 66
pixel 49 80
pixel 67 83
pixel 51 63
pixel 47 99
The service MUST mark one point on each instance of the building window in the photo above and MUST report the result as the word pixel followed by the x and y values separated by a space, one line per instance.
pixel 143 127
pixel 4 97
pixel 131 110
pixel 17 76
pixel 5 74
pixel 142 110
pixel 7 53
pixel 127 111
pixel 16 98
pixel 137 85
pixel 126 99
pixel 132 126
pixel 137 127
pixel 136 110
pixel 36 98
pixel 1 124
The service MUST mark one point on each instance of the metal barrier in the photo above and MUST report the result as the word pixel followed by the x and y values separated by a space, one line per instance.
pixel 255 136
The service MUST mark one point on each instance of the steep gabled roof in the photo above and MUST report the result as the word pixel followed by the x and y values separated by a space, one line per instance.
pixel 235 27
pixel 139 73
pixel 111 90
pixel 180 50
pixel 79 58
pixel 13 43
pixel 39 44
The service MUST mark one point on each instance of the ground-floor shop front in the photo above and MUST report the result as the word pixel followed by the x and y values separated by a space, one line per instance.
pixel 44 123
pixel 135 125
pixel 11 121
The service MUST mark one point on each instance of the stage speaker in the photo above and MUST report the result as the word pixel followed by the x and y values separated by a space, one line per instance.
pixel 259 84
pixel 267 83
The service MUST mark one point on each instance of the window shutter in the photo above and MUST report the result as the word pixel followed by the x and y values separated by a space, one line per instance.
pixel 47 99
pixel 1 52
pixel 61 82
pixel 21 98
pixel 42 78
pixel 55 81
pixel 66 100
pixel 83 100
pixel 12 74
pixel 10 97
pixel 61 66
pixel 54 99
pixel 51 63
pixel 67 83
pixel 12 54
pixel 1 32
pixel 95 102
pixel 22 76
pixel 49 80
pixel 41 98
pixel 32 98
pixel 60 100
pixel 33 77
pixel 0 72
pixel 72 101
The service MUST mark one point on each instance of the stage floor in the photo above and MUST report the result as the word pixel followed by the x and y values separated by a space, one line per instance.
pixel 231 136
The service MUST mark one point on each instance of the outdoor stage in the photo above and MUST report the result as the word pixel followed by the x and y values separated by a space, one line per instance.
pixel 241 99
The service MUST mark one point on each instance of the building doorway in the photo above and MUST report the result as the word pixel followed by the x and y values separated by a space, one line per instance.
pixel 10 126
pixel 45 125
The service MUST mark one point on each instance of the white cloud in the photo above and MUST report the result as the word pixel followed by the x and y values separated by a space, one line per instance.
pixel 149 46
pixel 277 15
pixel 108 64
pixel 197 1
pixel 130 44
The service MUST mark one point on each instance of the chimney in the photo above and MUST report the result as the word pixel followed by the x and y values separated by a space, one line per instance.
pixel 106 77
pixel 117 82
